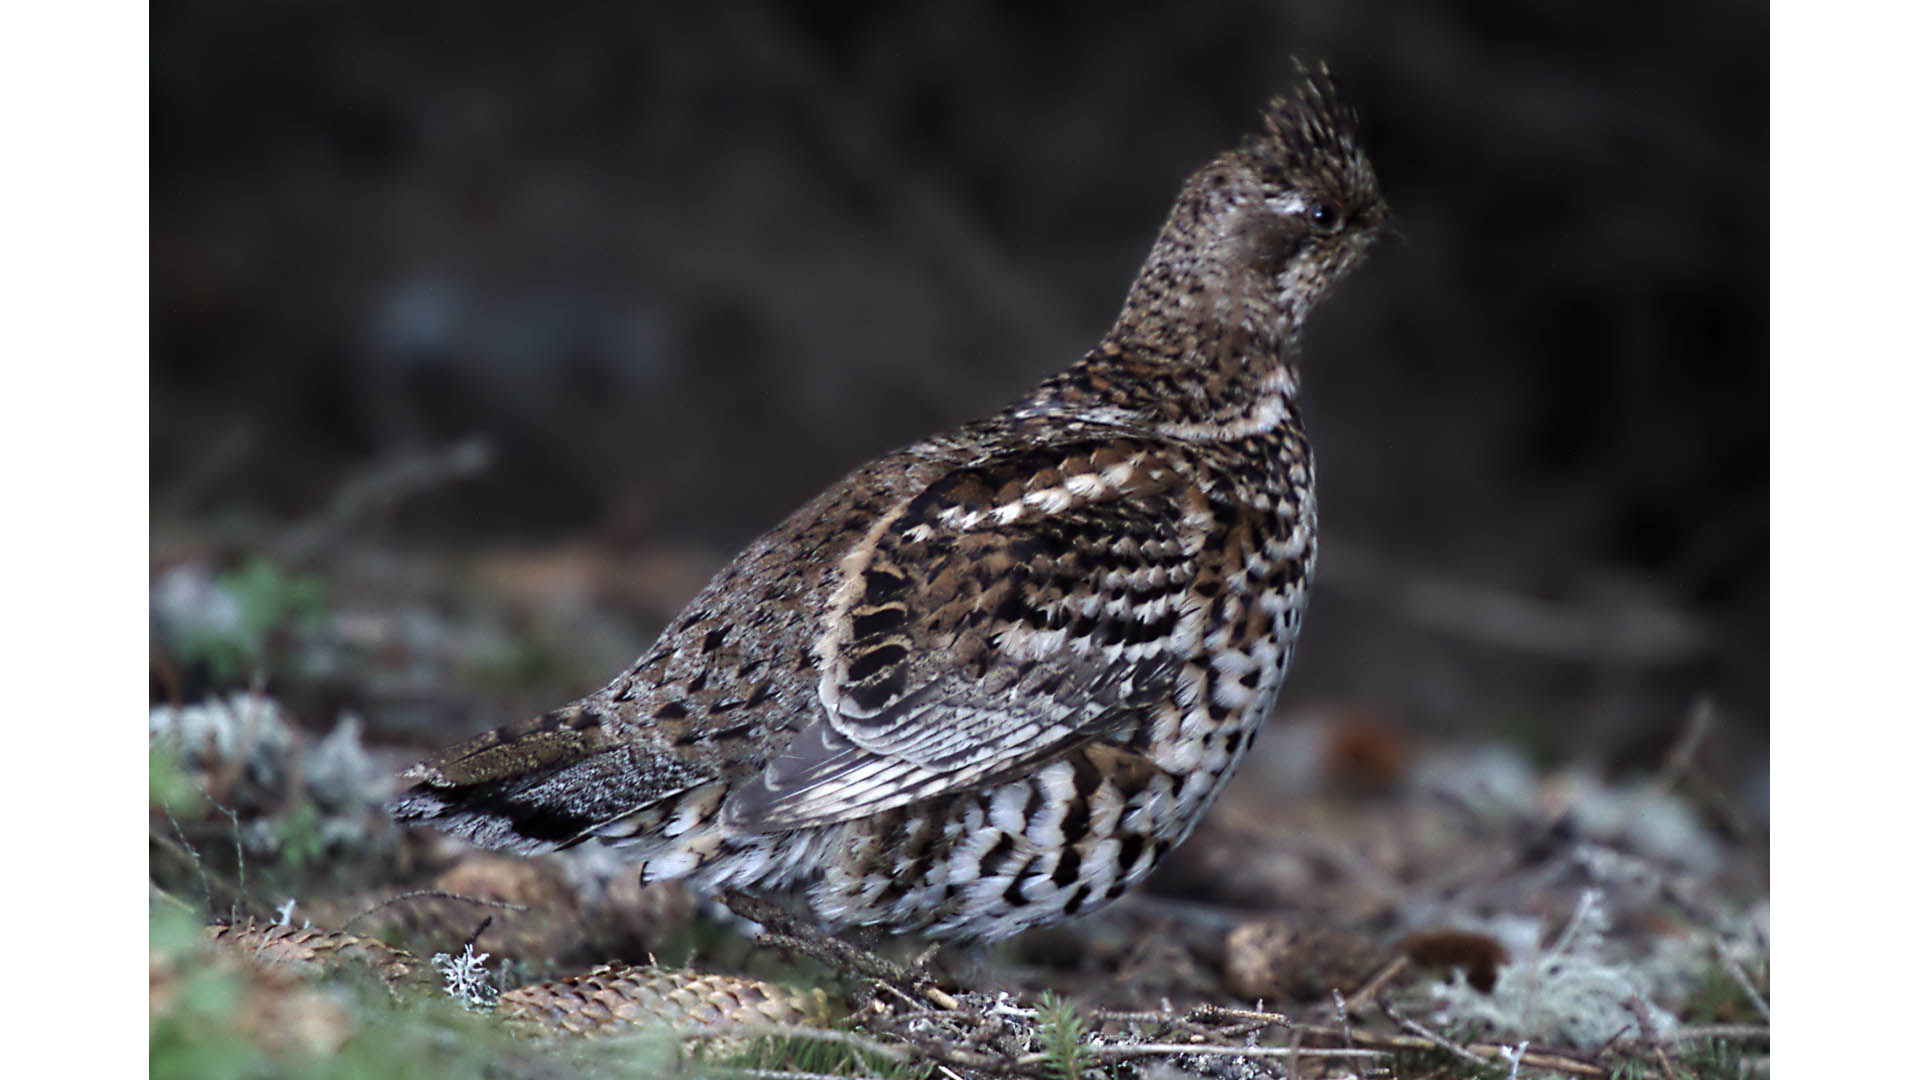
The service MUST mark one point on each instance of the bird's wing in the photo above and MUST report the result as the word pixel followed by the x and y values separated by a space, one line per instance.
pixel 1011 608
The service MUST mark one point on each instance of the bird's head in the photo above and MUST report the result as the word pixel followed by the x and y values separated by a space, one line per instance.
pixel 1311 205
pixel 1261 233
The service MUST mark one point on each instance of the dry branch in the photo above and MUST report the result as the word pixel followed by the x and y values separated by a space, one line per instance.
pixel 441 894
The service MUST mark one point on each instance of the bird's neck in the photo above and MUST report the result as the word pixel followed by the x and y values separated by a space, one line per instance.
pixel 1207 343
pixel 1191 364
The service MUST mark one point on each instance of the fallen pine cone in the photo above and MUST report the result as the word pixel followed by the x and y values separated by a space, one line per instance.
pixel 558 929
pixel 620 997
pixel 606 1000
pixel 312 951
pixel 1270 960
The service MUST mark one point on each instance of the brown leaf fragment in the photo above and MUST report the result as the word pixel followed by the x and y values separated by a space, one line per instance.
pixel 1476 954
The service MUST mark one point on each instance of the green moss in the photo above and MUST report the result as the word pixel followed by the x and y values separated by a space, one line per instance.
pixel 195 1039
pixel 169 786
pixel 818 1056
pixel 270 600
pixel 299 839
pixel 1714 1059
pixel 1719 999
pixel 1063 1035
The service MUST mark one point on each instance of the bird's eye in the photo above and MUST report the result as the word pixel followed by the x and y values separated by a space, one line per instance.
pixel 1324 216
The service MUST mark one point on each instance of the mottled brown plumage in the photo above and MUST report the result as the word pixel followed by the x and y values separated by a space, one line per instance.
pixel 988 680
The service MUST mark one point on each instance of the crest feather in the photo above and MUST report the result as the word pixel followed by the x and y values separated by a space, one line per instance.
pixel 1311 135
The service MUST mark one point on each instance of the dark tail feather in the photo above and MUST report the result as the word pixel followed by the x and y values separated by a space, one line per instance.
pixel 490 818
pixel 536 786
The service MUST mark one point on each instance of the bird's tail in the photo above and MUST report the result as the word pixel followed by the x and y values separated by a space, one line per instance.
pixel 538 785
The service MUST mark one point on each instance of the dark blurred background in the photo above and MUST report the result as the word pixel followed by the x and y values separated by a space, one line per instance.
pixel 680 265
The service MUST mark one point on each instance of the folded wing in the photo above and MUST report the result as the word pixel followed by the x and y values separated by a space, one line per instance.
pixel 1012 609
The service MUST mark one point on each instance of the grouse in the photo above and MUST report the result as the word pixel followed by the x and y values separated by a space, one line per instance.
pixel 988 680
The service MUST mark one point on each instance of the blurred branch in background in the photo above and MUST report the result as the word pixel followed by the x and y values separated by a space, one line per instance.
pixel 378 490
pixel 1620 634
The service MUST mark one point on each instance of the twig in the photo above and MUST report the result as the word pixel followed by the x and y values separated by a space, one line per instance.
pixel 1414 1027
pixel 783 930
pixel 936 995
pixel 474 938
pixel 250 725
pixel 780 927
pixel 384 485
pixel 1640 636
pixel 1643 1019
pixel 907 999
pixel 1239 1030
pixel 1369 1046
pixel 187 855
pixel 441 894
pixel 1199 1014
pixel 1692 733
pixel 193 856
pixel 1583 909
pixel 1373 985
pixel 1126 1051
pixel 1134 1016
pixel 1679 759
pixel 789 1074
pixel 1534 1059
pixel 1703 1032
pixel 1486 1053
pixel 1740 976
pixel 1226 1012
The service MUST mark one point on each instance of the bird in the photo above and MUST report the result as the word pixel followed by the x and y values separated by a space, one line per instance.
pixel 987 681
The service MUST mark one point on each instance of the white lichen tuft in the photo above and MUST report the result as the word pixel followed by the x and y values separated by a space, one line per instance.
pixel 247 735
pixel 1568 993
pixel 1645 820
pixel 468 979
pixel 340 774
pixel 1496 783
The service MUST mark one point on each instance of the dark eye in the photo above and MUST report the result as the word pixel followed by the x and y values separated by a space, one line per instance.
pixel 1324 216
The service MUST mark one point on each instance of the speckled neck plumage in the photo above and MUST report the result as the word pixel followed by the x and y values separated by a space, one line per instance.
pixel 988 680
pixel 1208 342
